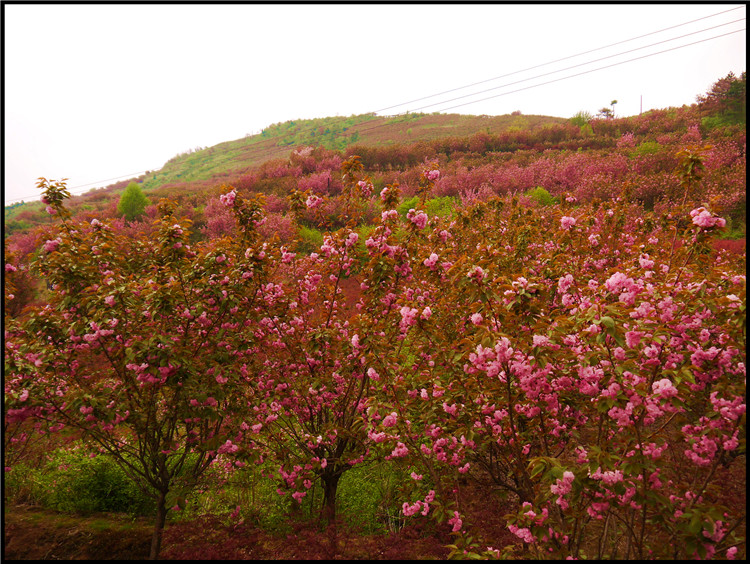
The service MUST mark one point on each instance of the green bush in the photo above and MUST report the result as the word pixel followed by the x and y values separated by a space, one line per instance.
pixel 406 205
pixel 132 202
pixel 581 118
pixel 72 482
pixel 646 148
pixel 443 206
pixel 541 196
pixel 310 239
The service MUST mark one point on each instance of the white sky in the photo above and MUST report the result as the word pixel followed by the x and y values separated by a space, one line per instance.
pixel 99 92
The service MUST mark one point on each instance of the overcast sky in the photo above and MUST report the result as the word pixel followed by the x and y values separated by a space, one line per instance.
pixel 95 93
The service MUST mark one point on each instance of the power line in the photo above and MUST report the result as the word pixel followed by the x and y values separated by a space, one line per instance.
pixel 277 151
pixel 578 65
pixel 131 175
pixel 594 70
pixel 559 60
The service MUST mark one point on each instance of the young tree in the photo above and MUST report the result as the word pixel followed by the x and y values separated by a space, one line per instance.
pixel 135 346
pixel 133 202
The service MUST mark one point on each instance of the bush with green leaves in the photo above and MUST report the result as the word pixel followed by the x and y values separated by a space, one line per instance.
pixel 541 196
pixel 73 481
pixel 133 202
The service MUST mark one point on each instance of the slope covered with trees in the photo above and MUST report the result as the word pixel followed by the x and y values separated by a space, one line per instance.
pixel 540 325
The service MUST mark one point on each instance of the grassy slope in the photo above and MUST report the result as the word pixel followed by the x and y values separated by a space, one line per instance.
pixel 279 140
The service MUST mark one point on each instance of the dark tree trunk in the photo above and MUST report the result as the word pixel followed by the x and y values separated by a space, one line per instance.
pixel 161 518
pixel 330 485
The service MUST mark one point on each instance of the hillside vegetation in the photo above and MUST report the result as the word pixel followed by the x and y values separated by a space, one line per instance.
pixel 525 343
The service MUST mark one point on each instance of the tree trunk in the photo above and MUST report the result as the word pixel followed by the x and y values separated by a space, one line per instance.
pixel 161 518
pixel 330 484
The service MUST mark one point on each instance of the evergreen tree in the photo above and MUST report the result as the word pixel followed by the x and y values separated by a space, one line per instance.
pixel 132 202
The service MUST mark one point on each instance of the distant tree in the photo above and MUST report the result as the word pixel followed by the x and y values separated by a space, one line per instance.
pixel 581 118
pixel 612 103
pixel 605 113
pixel 726 99
pixel 132 202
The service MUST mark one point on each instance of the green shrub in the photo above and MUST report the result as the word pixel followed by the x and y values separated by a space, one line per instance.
pixel 310 239
pixel 646 148
pixel 581 118
pixel 406 205
pixel 72 482
pixel 442 207
pixel 132 202
pixel 541 196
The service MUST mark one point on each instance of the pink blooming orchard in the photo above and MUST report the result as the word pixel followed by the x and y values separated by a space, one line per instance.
pixel 591 376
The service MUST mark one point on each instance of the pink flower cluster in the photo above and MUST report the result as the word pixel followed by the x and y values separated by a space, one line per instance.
pixel 313 201
pixel 228 198
pixel 51 245
pixel 703 218
pixel 418 218
pixel 566 222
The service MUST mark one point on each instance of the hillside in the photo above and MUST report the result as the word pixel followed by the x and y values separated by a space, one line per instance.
pixel 232 158
pixel 334 133
pixel 488 154
pixel 527 343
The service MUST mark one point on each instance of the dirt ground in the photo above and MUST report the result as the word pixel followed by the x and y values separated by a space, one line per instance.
pixel 35 533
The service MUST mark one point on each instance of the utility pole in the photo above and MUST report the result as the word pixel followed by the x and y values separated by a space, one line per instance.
pixel 641 112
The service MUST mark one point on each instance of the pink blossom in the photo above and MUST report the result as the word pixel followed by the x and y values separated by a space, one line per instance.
pixel 632 338
pixel 664 388
pixel 228 447
pixel 400 450
pixel 540 340
pixel 431 261
pixel 313 201
pixel 645 261
pixel 51 245
pixel 566 222
pixel 228 198
pixel 456 522
pixel 365 188
pixel 522 532
pixel 432 174
pixel 390 420
pixel 408 317
pixel 564 283
pixel 476 318
pixel 409 510
pixel 418 218
pixel 450 409
pixel 476 273
pixel 703 218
